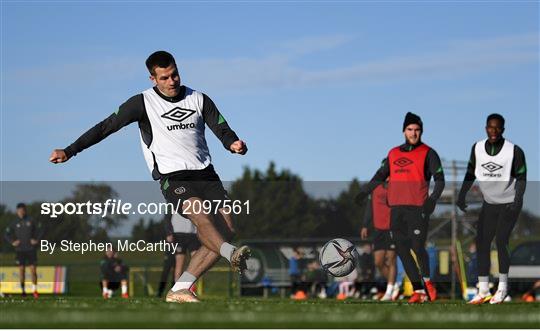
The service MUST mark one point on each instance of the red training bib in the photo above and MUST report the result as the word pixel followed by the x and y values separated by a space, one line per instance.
pixel 407 185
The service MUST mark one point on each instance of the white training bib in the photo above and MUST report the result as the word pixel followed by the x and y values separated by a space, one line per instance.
pixel 178 141
pixel 494 173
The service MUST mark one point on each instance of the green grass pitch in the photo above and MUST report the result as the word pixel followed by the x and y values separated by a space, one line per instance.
pixel 93 312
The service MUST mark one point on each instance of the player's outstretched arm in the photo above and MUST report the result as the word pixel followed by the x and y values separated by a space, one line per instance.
pixel 130 111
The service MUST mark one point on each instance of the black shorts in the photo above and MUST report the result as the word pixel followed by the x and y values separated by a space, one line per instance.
pixel 113 276
pixel 409 224
pixel 26 258
pixel 110 285
pixel 187 242
pixel 204 184
pixel 382 240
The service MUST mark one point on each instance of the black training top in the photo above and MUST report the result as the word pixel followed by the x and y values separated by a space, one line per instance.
pixel 23 229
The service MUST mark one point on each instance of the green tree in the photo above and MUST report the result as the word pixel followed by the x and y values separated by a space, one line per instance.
pixel 279 206
pixel 6 216
pixel 151 231
pixel 342 216
pixel 81 227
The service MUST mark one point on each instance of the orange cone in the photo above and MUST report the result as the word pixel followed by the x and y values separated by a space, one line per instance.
pixel 300 295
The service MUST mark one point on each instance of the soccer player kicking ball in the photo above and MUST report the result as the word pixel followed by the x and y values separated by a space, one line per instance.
pixel 500 168
pixel 384 250
pixel 172 118
pixel 409 168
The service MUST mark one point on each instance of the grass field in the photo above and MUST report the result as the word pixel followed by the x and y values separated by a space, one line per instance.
pixel 83 308
pixel 86 312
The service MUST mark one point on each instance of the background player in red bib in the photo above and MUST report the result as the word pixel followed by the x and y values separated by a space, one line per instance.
pixel 409 168
pixel 377 216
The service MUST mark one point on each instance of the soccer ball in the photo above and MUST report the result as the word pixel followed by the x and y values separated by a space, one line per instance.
pixel 338 257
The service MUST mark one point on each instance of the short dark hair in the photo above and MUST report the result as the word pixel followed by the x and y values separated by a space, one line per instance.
pixel 495 117
pixel 21 205
pixel 160 59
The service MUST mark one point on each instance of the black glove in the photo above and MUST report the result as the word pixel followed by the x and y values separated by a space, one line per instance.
pixel 429 206
pixel 461 204
pixel 361 197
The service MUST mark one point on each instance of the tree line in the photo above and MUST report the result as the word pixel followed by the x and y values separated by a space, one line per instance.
pixel 280 208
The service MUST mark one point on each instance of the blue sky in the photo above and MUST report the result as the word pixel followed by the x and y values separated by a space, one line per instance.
pixel 319 88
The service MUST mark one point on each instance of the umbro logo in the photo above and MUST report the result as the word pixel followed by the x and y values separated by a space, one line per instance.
pixel 491 166
pixel 403 162
pixel 178 114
